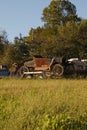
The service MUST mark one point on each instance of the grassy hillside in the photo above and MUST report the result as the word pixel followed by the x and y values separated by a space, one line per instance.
pixel 43 104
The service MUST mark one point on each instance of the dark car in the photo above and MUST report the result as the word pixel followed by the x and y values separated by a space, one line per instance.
pixel 4 71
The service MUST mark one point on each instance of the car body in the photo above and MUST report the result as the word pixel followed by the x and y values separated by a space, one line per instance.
pixel 4 71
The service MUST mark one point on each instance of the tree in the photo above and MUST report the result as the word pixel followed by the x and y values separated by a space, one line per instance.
pixel 83 38
pixel 4 37
pixel 59 12
pixel 19 51
pixel 63 33
pixel 3 44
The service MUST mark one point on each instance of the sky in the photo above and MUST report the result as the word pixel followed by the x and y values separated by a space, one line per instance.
pixel 19 16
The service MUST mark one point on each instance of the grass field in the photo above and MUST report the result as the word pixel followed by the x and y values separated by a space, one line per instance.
pixel 27 104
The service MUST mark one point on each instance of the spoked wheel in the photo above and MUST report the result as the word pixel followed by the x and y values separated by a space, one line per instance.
pixel 22 70
pixel 57 71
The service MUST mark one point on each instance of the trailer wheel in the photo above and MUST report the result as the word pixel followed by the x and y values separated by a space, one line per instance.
pixel 57 71
pixel 22 70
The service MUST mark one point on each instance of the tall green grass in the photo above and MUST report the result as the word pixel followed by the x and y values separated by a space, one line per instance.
pixel 43 104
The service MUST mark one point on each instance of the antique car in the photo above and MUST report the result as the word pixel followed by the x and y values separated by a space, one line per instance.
pixel 42 67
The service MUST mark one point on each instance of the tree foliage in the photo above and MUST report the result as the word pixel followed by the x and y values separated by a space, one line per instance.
pixel 3 41
pixel 19 51
pixel 59 12
pixel 69 40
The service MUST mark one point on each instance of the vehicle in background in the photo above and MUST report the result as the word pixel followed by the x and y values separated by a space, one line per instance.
pixel 73 59
pixel 4 71
pixel 84 61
